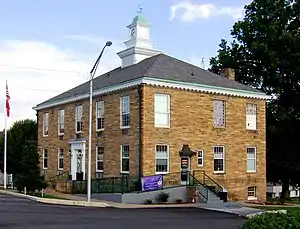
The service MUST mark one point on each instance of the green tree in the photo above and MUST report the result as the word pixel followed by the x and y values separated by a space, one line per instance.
pixel 265 54
pixel 30 177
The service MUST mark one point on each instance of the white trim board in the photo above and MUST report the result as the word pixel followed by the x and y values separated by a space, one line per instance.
pixel 162 83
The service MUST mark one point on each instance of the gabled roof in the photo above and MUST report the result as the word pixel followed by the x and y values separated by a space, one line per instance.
pixel 160 67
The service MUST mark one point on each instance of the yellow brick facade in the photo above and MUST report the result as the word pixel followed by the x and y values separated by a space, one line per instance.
pixel 191 123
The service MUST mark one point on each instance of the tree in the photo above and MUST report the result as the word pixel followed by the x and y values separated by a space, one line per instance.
pixel 30 177
pixel 265 54
pixel 22 156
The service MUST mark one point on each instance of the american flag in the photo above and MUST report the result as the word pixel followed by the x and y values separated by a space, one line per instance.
pixel 7 101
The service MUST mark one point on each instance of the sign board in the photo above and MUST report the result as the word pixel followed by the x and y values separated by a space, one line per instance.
pixel 152 182
pixel 184 163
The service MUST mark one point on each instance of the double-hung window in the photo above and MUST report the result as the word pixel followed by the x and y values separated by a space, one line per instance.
pixel 125 159
pixel 46 124
pixel 219 159
pixel 162 159
pixel 45 159
pixel 61 122
pixel 162 110
pixel 100 115
pixel 99 158
pixel 125 111
pixel 251 159
pixel 78 114
pixel 200 158
pixel 219 113
pixel 251 119
pixel 60 159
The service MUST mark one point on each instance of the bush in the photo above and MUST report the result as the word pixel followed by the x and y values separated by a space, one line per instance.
pixel 178 201
pixel 273 221
pixel 163 197
pixel 148 201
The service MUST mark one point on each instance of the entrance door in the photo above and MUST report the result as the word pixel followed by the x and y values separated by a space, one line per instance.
pixel 184 170
pixel 79 165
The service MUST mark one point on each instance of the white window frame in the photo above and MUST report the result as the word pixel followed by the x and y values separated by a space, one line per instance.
pixel 221 158
pixel 200 157
pixel 78 119
pixel 99 160
pixel 124 100
pixel 250 197
pixel 47 158
pixel 100 110
pixel 60 155
pixel 45 124
pixel 157 112
pixel 61 121
pixel 251 116
pixel 252 159
pixel 127 158
pixel 167 158
pixel 219 122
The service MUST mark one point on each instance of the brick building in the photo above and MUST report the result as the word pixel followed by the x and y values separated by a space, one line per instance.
pixel 149 109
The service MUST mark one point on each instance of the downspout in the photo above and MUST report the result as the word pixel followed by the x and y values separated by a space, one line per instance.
pixel 140 146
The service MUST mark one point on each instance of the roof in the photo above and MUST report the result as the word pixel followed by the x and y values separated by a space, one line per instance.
pixel 159 67
pixel 139 20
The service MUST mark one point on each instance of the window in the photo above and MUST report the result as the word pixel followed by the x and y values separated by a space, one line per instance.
pixel 79 118
pixel 100 115
pixel 125 159
pixel 162 110
pixel 252 193
pixel 61 122
pixel 251 159
pixel 125 112
pixel 60 159
pixel 162 159
pixel 251 116
pixel 99 158
pixel 46 124
pixel 45 159
pixel 200 157
pixel 219 159
pixel 219 113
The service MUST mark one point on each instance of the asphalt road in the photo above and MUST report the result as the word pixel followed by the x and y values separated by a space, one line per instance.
pixel 22 213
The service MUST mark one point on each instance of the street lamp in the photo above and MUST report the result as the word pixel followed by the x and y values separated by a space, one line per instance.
pixel 92 74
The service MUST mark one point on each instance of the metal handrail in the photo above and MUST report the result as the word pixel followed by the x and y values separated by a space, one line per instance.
pixel 205 196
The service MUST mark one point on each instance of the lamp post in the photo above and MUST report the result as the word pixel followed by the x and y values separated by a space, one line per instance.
pixel 92 74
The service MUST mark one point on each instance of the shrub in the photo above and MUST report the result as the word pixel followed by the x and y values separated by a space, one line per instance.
pixel 163 197
pixel 273 221
pixel 148 201
pixel 178 201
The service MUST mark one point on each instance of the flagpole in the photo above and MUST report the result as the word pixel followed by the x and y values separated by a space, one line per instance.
pixel 5 143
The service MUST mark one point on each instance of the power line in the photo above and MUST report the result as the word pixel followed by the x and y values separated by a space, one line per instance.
pixel 40 69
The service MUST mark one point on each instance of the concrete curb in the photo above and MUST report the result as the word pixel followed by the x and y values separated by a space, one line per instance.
pixel 56 201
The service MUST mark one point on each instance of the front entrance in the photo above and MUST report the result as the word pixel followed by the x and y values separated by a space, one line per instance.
pixel 185 168
pixel 77 160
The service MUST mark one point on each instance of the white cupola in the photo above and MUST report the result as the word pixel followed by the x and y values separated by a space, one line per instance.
pixel 139 46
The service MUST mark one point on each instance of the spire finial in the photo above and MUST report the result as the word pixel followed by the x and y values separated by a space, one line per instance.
pixel 140 10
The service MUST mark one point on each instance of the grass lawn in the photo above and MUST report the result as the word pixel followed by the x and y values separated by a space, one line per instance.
pixel 50 196
pixel 294 210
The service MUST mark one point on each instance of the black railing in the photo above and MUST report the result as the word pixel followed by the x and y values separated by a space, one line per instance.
pixel 208 182
pixel 200 188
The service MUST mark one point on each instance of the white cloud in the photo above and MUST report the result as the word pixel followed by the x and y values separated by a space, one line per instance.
pixel 188 11
pixel 21 64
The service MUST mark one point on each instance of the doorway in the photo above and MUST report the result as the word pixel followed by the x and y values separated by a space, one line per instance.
pixel 185 168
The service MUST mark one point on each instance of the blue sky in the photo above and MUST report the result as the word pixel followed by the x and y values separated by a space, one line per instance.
pixel 67 36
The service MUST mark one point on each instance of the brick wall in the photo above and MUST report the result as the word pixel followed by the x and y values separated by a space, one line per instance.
pixel 111 139
pixel 192 123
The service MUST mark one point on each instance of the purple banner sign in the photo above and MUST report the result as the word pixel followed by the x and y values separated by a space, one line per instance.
pixel 152 182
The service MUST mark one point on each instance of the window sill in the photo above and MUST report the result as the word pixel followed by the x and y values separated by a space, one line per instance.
pixel 252 130
pixel 161 173
pixel 60 169
pixel 61 134
pixel 252 198
pixel 163 127
pixel 100 130
pixel 219 172
pixel 78 132
pixel 124 127
pixel 124 172
pixel 251 172
pixel 99 171
pixel 219 127
pixel 45 135
pixel 200 166
pixel 45 168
